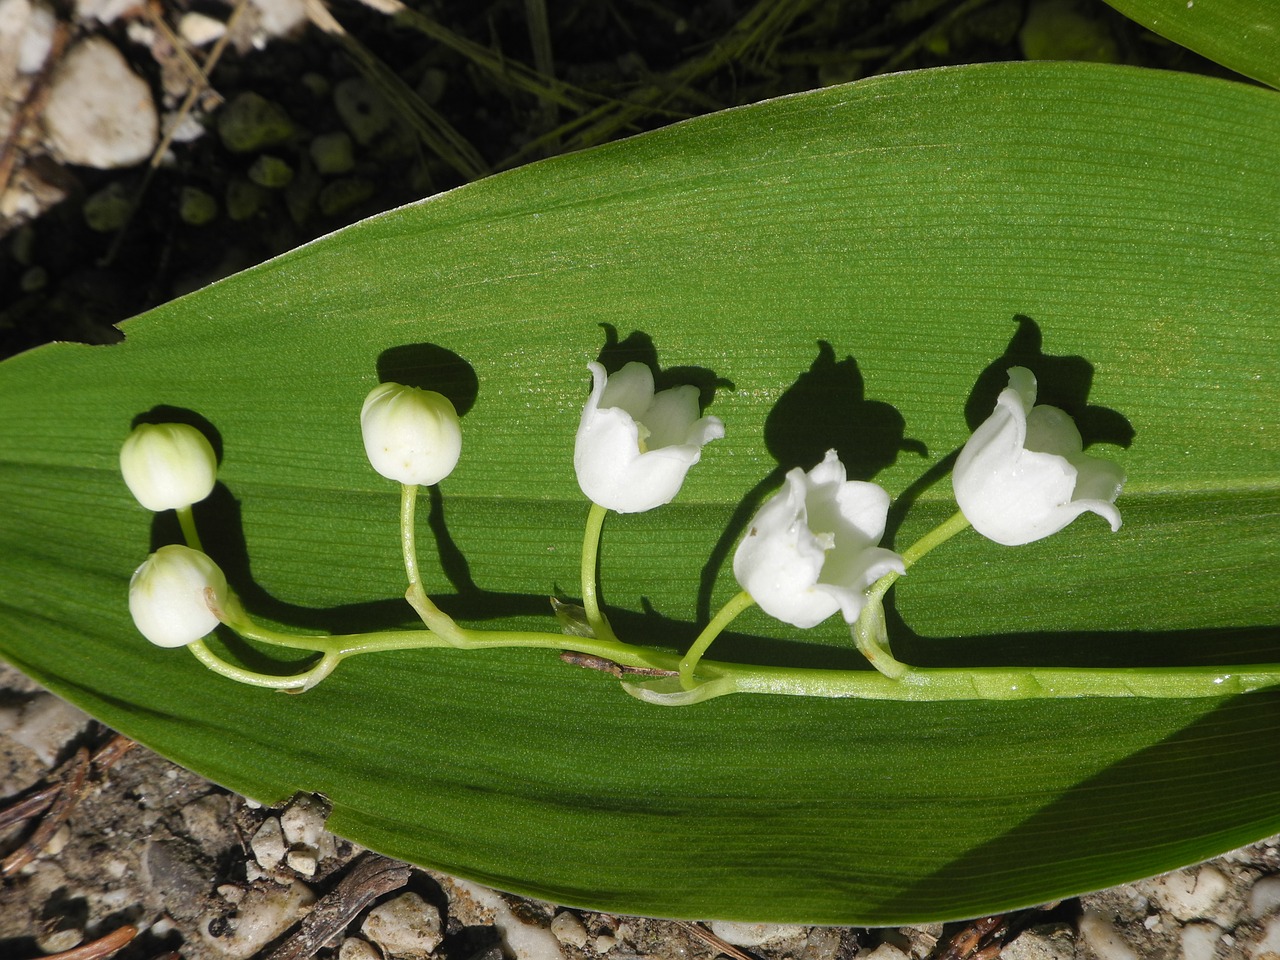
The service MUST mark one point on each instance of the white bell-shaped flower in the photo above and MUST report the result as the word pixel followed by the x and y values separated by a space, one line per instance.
pixel 635 446
pixel 168 599
pixel 168 466
pixel 410 435
pixel 1022 476
pixel 812 549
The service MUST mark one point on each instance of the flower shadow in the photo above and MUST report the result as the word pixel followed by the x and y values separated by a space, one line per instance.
pixel 639 347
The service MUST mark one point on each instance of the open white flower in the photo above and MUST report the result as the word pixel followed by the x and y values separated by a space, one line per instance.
pixel 812 549
pixel 635 446
pixel 168 466
pixel 410 435
pixel 1022 476
pixel 167 596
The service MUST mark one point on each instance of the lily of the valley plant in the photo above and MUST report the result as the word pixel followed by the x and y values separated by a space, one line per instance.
pixel 811 551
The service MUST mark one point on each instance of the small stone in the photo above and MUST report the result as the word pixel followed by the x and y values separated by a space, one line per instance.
pixel 332 153
pixel 363 110
pixel 1200 941
pixel 1264 896
pixel 302 860
pixel 268 844
pixel 756 934
pixel 34 279
pixel 207 822
pixel 353 948
pixel 266 911
pixel 886 951
pixel 182 127
pixel 569 929
pixel 405 927
pixel 57 843
pixel 1188 894
pixel 1102 937
pixel 250 122
pixel 279 18
pixel 33 24
pixel 1045 942
pixel 317 84
pixel 341 195
pixel 200 30
pixel 178 874
pixel 604 943
pixel 244 199
pixel 1267 947
pixel 196 207
pixel 271 172
pixel 59 940
pixel 108 209
pixel 303 820
pixel 472 904
pixel 99 112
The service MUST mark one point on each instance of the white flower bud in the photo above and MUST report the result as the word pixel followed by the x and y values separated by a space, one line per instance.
pixel 168 466
pixel 167 596
pixel 635 446
pixel 1021 477
pixel 812 549
pixel 410 435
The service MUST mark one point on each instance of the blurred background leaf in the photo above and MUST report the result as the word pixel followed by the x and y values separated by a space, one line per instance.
pixel 1243 35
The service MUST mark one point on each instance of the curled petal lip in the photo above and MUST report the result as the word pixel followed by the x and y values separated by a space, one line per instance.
pixel 634 447
pixel 812 548
pixel 1022 476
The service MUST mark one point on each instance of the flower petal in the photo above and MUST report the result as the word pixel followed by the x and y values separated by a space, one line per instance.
pixel 630 389
pixel 670 416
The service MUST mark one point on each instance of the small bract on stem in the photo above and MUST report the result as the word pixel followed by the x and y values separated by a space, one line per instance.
pixel 812 550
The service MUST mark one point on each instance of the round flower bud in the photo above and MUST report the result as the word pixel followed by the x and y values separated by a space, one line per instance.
pixel 168 466
pixel 410 435
pixel 167 596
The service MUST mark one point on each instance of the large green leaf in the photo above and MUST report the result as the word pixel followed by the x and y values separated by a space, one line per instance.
pixel 1241 34
pixel 1127 217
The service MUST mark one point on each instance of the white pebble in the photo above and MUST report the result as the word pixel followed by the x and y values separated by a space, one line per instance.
pixel 755 934
pixel 405 927
pixel 569 929
pixel 477 904
pixel 1268 947
pixel 1200 941
pixel 268 844
pixel 886 951
pixel 604 943
pixel 44 725
pixel 199 30
pixel 1103 938
pixel 302 860
pixel 104 11
pixel 100 113
pixel 1188 894
pixel 267 910
pixel 303 821
pixel 353 948
pixel 26 28
pixel 279 18
pixel 1264 896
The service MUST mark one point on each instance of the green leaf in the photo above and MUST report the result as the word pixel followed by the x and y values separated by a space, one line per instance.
pixel 1127 217
pixel 1243 35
